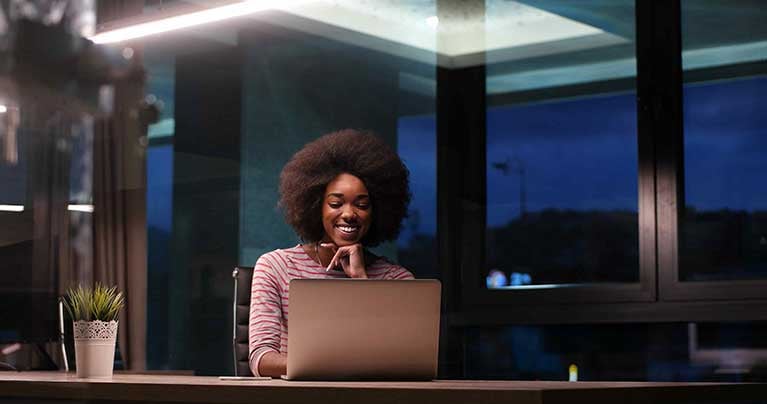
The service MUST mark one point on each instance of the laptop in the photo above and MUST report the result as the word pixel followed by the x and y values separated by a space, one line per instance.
pixel 360 329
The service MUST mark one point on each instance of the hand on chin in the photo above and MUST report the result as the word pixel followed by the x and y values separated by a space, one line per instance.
pixel 350 255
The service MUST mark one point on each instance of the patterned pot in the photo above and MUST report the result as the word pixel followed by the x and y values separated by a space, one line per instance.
pixel 95 347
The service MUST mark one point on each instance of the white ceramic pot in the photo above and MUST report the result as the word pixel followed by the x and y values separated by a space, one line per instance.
pixel 95 347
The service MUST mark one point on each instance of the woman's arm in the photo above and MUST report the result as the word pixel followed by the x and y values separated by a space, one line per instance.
pixel 265 320
pixel 273 364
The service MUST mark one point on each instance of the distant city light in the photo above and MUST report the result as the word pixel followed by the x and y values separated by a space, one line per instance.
pixel 519 279
pixel 496 279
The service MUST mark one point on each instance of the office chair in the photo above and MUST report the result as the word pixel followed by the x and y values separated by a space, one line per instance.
pixel 241 311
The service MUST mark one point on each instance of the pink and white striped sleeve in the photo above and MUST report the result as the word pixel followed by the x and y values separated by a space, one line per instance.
pixel 264 324
pixel 398 272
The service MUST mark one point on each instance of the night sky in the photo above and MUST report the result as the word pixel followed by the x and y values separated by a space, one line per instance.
pixel 726 145
pixel 581 154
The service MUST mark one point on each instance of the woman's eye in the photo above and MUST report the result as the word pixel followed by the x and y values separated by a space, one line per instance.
pixel 363 206
pixel 334 205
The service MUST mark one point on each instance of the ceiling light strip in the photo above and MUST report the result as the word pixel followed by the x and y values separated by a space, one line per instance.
pixel 189 20
pixel 11 208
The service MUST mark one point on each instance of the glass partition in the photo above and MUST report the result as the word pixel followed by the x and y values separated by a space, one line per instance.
pixel 236 100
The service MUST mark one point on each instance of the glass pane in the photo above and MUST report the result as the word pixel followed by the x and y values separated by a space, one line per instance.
pixel 562 197
pixel 670 352
pixel 723 232
pixel 237 99
pixel 46 168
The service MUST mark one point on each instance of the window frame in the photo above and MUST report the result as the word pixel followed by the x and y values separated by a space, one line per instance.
pixel 473 292
pixel 671 288
pixel 658 296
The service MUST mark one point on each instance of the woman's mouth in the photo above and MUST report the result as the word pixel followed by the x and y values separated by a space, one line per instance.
pixel 347 232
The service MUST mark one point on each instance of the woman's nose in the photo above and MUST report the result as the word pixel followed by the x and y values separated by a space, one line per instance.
pixel 347 212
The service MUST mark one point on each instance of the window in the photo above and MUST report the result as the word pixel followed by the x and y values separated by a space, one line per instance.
pixel 723 232
pixel 718 195
pixel 562 157
pixel 569 222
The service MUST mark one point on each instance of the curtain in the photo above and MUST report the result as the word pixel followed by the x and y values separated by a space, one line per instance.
pixel 48 132
pixel 119 196
pixel 50 124
pixel 119 216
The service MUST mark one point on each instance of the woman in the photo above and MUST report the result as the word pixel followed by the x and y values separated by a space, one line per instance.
pixel 341 193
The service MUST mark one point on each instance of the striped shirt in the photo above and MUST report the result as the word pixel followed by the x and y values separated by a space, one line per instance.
pixel 268 322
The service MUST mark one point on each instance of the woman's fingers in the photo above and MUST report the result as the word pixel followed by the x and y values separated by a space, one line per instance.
pixel 349 257
pixel 333 247
pixel 340 252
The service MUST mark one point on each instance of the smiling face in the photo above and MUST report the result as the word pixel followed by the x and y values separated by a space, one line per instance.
pixel 346 210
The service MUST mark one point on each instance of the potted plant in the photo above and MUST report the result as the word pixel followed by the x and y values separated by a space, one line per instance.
pixel 94 314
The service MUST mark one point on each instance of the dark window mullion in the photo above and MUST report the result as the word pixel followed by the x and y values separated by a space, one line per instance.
pixel 652 128
pixel 659 102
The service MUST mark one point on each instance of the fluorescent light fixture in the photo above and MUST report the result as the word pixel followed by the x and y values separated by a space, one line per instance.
pixel 81 208
pixel 11 208
pixel 190 20
pixel 20 208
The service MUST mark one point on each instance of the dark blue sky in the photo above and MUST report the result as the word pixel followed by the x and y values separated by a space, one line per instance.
pixel 582 153
pixel 577 154
pixel 726 145
pixel 417 146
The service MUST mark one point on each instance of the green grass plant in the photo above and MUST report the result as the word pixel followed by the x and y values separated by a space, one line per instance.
pixel 96 303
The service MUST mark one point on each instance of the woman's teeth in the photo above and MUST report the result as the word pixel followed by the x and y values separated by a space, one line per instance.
pixel 347 229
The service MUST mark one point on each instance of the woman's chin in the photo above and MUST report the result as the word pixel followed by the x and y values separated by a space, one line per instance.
pixel 342 240
pixel 344 243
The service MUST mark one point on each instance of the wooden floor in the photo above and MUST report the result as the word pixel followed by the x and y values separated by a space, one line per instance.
pixel 198 389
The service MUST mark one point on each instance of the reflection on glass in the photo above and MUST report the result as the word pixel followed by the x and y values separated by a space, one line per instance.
pixel 46 166
pixel 561 146
pixel 723 232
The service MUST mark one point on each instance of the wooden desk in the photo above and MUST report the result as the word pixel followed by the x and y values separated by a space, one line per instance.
pixel 33 387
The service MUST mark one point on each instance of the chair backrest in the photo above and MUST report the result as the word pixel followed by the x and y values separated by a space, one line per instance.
pixel 241 310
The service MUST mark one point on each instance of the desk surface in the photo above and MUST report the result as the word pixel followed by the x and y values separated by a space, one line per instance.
pixel 200 389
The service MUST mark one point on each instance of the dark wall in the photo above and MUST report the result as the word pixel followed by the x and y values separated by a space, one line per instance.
pixel 297 87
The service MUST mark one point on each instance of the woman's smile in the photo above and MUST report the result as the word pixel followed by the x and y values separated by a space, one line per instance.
pixel 346 229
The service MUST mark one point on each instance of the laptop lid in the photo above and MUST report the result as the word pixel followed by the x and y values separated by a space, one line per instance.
pixel 363 329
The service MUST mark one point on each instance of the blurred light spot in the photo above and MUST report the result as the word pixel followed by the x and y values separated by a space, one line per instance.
pixel 496 279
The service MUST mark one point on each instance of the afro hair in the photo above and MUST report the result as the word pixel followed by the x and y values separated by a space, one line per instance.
pixel 360 153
